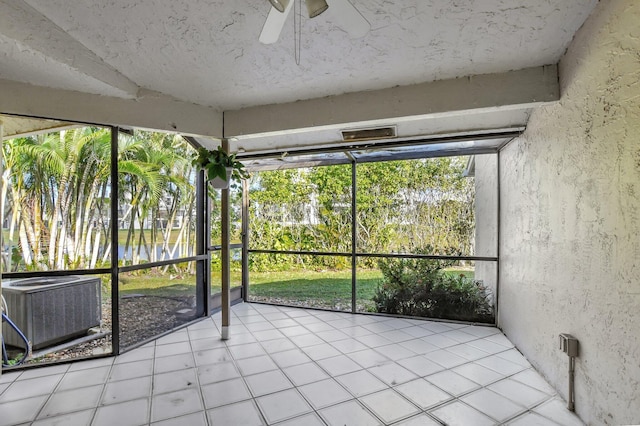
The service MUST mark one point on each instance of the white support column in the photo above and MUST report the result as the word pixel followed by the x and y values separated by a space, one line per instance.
pixel 1 220
pixel 225 252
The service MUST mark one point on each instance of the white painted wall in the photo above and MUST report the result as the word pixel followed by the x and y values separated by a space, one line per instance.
pixel 486 215
pixel 1 240
pixel 570 221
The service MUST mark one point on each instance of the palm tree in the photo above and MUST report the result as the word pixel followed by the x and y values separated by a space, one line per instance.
pixel 54 179
pixel 157 183
pixel 56 187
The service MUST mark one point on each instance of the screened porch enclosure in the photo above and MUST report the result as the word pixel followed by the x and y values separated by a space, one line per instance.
pixel 102 239
pixel 400 229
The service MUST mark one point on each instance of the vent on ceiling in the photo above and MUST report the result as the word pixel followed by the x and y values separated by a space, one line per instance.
pixel 369 134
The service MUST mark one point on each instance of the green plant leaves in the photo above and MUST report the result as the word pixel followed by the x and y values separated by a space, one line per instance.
pixel 217 161
pixel 420 287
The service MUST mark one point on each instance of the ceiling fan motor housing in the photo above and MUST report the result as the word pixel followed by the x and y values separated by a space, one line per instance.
pixel 280 5
pixel 316 7
pixel 344 15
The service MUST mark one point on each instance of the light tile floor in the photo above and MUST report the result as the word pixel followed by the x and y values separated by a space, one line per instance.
pixel 290 366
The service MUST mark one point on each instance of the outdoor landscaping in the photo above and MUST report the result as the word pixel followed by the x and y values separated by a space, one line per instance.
pixel 421 287
pixel 58 201
pixel 331 289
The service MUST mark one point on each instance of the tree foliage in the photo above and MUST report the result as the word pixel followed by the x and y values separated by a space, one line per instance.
pixel 400 206
pixel 56 194
pixel 50 193
pixel 56 197
pixel 420 287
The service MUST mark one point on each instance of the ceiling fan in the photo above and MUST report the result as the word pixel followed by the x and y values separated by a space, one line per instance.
pixel 343 13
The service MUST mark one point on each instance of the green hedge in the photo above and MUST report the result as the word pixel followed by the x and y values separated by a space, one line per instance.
pixel 420 287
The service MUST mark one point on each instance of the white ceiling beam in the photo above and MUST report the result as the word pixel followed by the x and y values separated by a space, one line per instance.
pixel 150 110
pixel 27 26
pixel 494 92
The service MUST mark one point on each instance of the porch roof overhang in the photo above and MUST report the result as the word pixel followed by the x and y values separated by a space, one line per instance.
pixel 15 127
pixel 197 68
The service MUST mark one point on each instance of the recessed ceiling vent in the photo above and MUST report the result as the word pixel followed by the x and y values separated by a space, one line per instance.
pixel 369 134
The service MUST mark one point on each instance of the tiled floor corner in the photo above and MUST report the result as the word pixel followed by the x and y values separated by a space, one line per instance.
pixel 290 366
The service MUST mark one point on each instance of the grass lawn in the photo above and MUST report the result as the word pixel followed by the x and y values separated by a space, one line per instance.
pixel 317 285
pixel 469 273
pixel 327 286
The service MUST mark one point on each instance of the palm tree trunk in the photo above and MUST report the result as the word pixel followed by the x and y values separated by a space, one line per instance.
pixel 168 231
pixel 96 248
pixel 24 244
pixel 53 224
pixel 130 234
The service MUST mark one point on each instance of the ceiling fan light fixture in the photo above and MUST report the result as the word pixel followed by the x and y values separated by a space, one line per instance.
pixel 315 7
pixel 280 5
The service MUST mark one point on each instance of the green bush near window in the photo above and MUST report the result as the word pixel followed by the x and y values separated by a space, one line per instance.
pixel 420 287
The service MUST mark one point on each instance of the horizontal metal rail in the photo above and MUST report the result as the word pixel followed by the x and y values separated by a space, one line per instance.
pixel 127 268
pixel 377 255
pixel 231 246
pixel 57 273
pixel 130 268
pixel 385 144
pixel 296 252
pixel 429 256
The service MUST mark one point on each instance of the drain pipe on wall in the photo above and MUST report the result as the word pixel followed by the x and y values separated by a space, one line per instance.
pixel 569 345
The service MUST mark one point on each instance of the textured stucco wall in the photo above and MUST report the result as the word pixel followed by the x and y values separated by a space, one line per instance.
pixel 570 221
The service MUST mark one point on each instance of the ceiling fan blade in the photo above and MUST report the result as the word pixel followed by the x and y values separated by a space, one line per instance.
pixel 348 18
pixel 274 23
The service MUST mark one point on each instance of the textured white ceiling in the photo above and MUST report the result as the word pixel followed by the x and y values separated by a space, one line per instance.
pixel 20 63
pixel 207 51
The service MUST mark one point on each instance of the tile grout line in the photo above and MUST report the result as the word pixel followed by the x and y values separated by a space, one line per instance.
pixel 199 386
pixel 331 376
pixel 323 317
pixel 104 387
pixel 296 387
pixel 468 361
pixel 51 394
pixel 269 355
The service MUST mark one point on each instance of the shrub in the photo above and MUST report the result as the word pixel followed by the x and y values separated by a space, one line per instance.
pixel 420 287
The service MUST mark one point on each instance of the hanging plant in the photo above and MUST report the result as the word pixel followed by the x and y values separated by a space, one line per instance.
pixel 220 166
